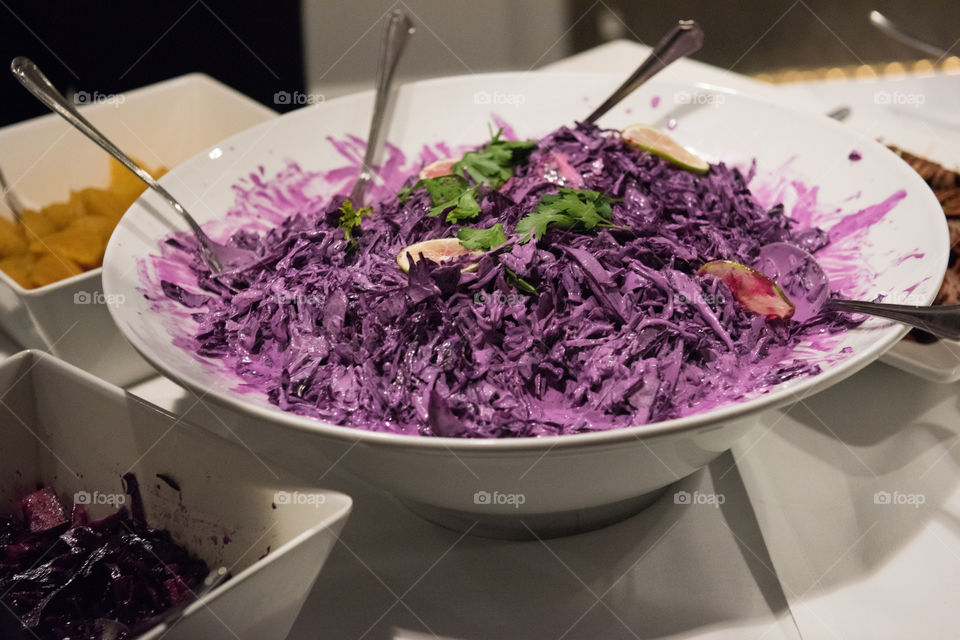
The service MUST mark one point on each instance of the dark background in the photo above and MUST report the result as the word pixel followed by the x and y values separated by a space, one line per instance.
pixel 112 47
pixel 752 36
pixel 257 48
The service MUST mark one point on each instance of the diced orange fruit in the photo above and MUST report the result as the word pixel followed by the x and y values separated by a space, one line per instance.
pixel 37 224
pixel 12 240
pixel 66 238
pixel 20 268
pixel 50 268
pixel 60 214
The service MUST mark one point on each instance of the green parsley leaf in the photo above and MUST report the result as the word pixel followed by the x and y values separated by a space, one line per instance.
pixel 570 209
pixel 493 164
pixel 350 218
pixel 482 239
pixel 450 194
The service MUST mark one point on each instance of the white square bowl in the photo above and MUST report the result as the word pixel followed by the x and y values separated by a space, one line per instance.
pixel 44 158
pixel 70 431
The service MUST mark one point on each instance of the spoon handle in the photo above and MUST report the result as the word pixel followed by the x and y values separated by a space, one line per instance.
pixel 395 39
pixel 37 83
pixel 891 29
pixel 943 321
pixel 684 39
pixel 13 202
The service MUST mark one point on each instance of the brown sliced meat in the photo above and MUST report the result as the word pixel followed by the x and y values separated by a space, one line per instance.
pixel 946 186
pixel 950 289
pixel 954 226
pixel 950 201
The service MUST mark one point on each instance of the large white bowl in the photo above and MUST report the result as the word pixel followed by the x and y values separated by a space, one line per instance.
pixel 44 158
pixel 552 484
pixel 70 431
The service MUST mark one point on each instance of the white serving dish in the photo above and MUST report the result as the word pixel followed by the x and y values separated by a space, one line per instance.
pixel 918 113
pixel 62 427
pixel 568 483
pixel 44 158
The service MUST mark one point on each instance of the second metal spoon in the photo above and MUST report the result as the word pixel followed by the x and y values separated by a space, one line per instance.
pixel 219 257
pixel 684 39
pixel 395 38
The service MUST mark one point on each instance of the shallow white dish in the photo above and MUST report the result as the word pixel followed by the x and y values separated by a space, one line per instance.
pixel 227 511
pixel 568 482
pixel 44 158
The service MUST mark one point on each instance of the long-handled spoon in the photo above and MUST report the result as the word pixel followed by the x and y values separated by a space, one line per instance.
pixel 398 31
pixel 219 257
pixel 808 287
pixel 13 202
pixel 893 30
pixel 684 39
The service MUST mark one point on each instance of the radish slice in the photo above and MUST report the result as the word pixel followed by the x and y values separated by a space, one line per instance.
pixel 442 167
pixel 440 250
pixel 754 291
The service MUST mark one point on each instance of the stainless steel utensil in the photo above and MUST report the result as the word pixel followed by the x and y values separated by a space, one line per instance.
pixel 398 31
pixel 218 256
pixel 684 39
pixel 893 30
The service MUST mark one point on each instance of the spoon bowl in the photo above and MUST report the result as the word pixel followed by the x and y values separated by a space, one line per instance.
pixel 799 274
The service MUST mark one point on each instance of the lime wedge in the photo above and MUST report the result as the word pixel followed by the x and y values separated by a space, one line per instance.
pixel 441 167
pixel 753 290
pixel 439 250
pixel 656 141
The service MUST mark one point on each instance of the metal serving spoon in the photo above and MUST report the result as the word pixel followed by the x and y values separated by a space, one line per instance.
pixel 684 39
pixel 218 256
pixel 398 31
pixel 892 29
pixel 13 202
pixel 809 289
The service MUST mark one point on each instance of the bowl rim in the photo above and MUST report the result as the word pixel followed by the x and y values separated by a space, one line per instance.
pixel 64 283
pixel 710 419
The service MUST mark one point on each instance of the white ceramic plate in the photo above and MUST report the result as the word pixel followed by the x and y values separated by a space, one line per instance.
pixel 791 149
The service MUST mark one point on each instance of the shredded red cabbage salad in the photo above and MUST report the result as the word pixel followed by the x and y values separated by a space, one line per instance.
pixel 600 323
pixel 65 576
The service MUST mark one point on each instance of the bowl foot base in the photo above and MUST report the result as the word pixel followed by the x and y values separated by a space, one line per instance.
pixel 530 526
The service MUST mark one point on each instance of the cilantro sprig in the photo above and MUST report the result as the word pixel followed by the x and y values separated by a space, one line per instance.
pixel 570 209
pixel 482 239
pixel 490 166
pixel 350 218
pixel 451 194
pixel 493 163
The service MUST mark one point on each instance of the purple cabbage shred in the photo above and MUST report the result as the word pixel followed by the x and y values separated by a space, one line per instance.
pixel 620 332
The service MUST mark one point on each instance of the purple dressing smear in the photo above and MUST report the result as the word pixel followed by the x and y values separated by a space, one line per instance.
pixel 620 332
